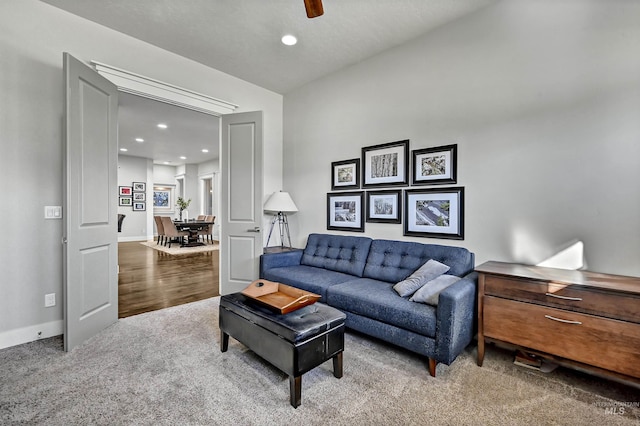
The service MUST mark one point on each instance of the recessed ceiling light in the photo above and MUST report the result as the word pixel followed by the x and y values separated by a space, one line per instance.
pixel 289 40
pixel 183 157
pixel 139 140
pixel 124 149
pixel 205 150
pixel 162 126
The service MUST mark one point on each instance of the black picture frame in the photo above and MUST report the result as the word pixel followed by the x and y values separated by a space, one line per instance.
pixel 124 191
pixel 139 186
pixel 345 174
pixel 386 164
pixel 139 206
pixel 434 213
pixel 434 166
pixel 125 201
pixel 345 211
pixel 139 196
pixel 384 206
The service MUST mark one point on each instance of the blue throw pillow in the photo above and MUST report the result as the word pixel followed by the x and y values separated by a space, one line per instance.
pixel 430 292
pixel 420 277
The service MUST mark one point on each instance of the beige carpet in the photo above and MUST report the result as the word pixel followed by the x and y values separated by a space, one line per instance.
pixel 166 368
pixel 177 250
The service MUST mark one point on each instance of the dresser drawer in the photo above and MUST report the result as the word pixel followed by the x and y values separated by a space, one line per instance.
pixel 616 305
pixel 602 342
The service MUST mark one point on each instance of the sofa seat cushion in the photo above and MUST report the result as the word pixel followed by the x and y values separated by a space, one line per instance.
pixel 393 261
pixel 337 253
pixel 377 300
pixel 307 278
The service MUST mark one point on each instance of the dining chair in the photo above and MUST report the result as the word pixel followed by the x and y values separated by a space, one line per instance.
pixel 206 233
pixel 201 217
pixel 120 220
pixel 160 228
pixel 171 232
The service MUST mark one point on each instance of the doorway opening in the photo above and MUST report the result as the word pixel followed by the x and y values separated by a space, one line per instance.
pixel 207 195
pixel 171 161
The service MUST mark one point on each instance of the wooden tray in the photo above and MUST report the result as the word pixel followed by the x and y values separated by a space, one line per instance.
pixel 279 297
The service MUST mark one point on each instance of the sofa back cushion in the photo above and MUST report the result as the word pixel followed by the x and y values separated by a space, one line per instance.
pixel 393 261
pixel 337 253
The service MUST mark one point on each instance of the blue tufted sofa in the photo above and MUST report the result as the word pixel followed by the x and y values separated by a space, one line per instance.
pixel 357 274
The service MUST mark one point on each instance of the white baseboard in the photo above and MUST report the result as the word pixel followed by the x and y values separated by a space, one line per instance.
pixel 138 238
pixel 29 334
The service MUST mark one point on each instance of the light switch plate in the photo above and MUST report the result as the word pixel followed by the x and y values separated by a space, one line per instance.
pixel 49 300
pixel 53 212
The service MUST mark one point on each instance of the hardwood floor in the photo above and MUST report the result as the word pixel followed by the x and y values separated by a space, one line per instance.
pixel 150 280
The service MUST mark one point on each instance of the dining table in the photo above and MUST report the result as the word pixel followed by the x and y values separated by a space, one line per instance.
pixel 192 226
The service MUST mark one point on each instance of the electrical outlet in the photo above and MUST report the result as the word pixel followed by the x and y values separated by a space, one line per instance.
pixel 49 300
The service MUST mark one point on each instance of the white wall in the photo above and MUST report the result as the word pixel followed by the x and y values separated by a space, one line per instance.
pixel 543 100
pixel 189 173
pixel 33 36
pixel 211 169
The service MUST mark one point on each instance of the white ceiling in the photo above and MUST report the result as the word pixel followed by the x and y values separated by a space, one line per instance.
pixel 242 38
pixel 187 134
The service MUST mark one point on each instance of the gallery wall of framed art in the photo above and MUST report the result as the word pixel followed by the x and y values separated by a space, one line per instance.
pixel 134 196
pixel 369 190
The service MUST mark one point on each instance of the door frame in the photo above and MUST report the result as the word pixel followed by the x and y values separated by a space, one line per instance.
pixel 139 85
pixel 136 84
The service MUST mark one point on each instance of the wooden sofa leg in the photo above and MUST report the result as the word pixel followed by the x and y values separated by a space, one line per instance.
pixel 432 367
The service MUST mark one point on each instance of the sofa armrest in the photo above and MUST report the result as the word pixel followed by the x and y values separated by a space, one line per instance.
pixel 278 260
pixel 456 318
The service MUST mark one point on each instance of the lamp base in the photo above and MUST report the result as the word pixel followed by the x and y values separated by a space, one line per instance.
pixel 283 227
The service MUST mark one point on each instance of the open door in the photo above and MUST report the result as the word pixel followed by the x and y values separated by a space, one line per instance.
pixel 90 203
pixel 241 192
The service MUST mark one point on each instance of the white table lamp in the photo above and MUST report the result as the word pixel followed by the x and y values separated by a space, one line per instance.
pixel 280 203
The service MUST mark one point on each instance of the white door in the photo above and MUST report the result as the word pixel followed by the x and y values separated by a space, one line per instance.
pixel 241 192
pixel 90 203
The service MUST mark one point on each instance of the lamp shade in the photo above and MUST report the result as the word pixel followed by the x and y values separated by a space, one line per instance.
pixel 280 202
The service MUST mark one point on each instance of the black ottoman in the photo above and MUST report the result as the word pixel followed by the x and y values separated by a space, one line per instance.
pixel 294 343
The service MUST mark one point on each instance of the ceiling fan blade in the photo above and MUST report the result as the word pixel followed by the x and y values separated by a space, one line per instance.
pixel 314 8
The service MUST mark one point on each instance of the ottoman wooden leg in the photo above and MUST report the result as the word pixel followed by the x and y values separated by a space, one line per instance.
pixel 337 365
pixel 295 390
pixel 224 341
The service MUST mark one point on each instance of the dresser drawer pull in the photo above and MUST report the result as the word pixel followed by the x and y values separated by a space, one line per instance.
pixel 577 299
pixel 562 320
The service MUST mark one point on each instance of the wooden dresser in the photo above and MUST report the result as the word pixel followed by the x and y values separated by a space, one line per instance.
pixel 585 320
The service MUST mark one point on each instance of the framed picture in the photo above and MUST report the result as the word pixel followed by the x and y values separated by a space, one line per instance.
pixel 435 213
pixel 125 191
pixel 139 207
pixel 435 166
pixel 345 174
pixel 345 212
pixel 386 164
pixel 124 201
pixel 139 196
pixel 139 186
pixel 163 199
pixel 384 206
